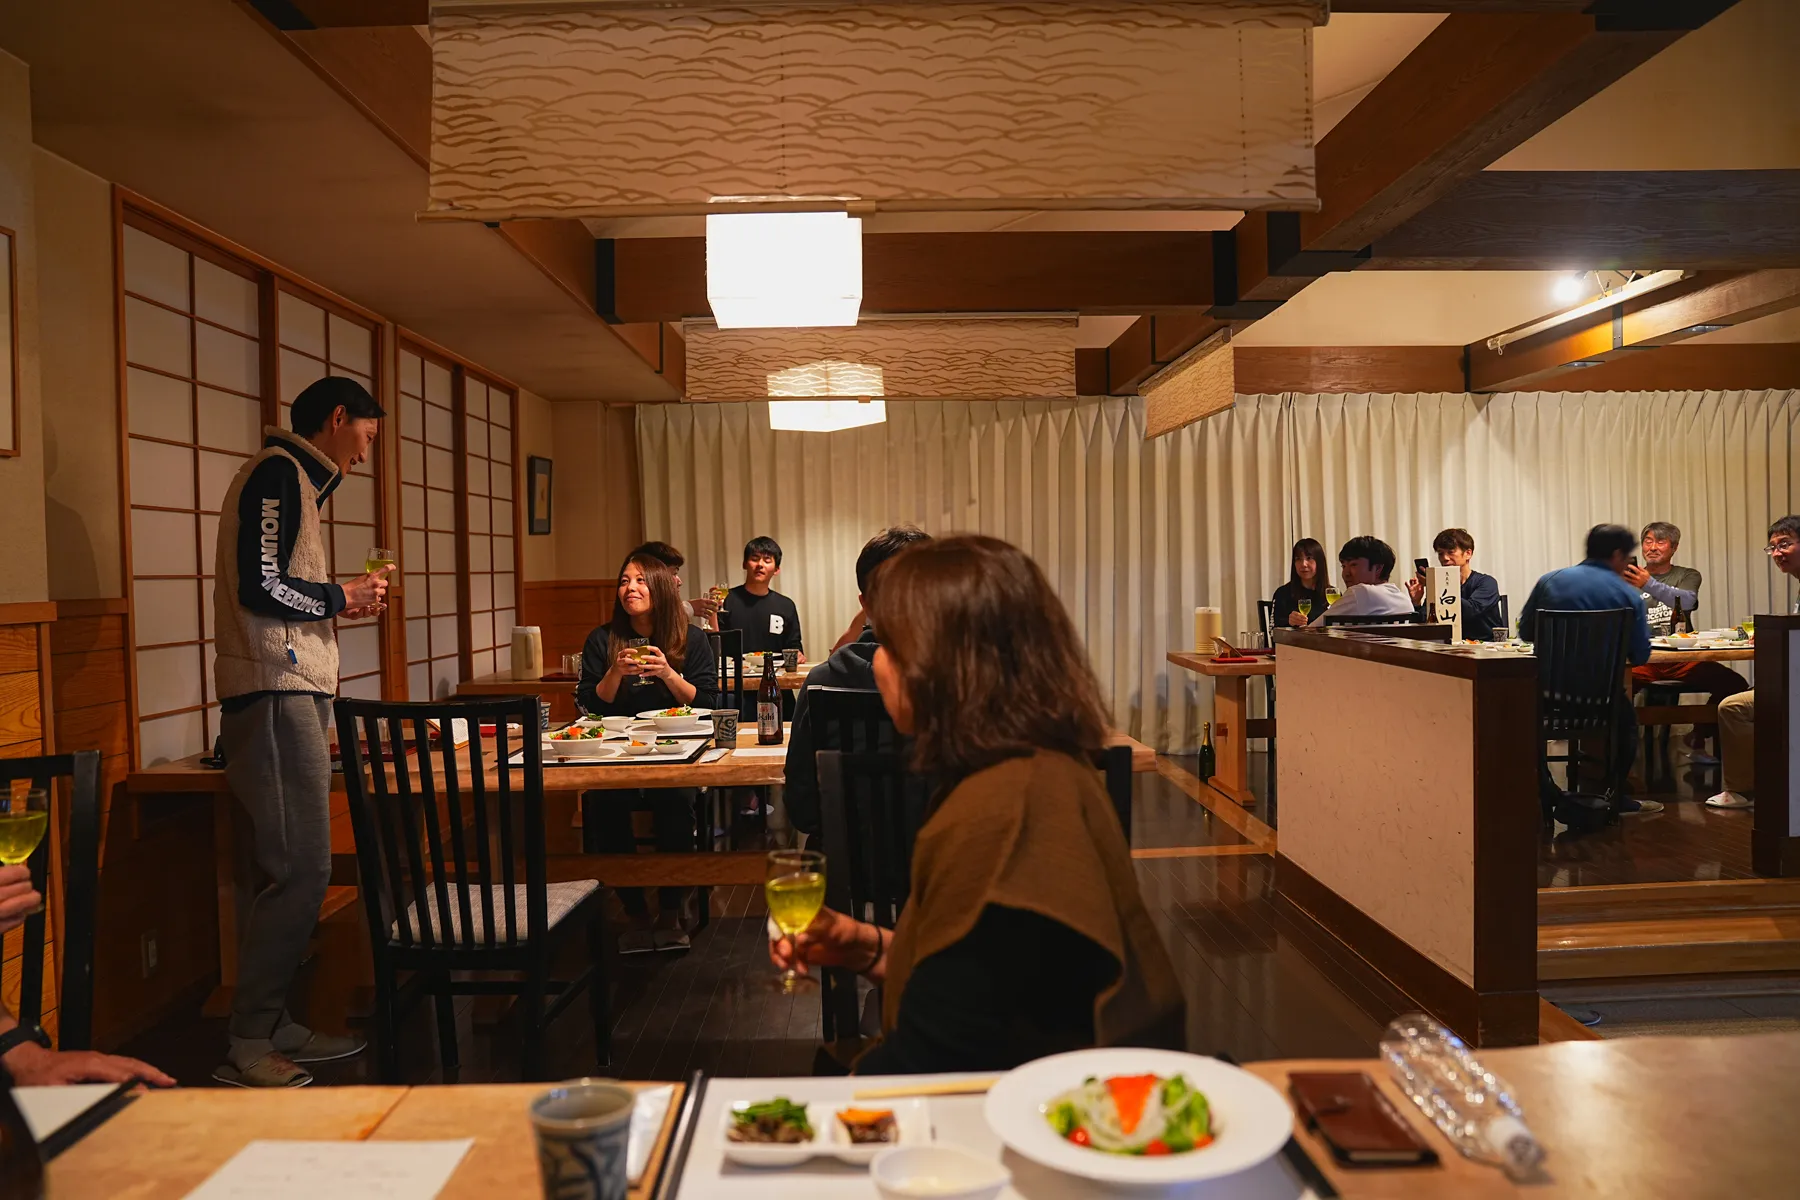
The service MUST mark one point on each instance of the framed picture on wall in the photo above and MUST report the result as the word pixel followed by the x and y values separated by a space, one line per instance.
pixel 9 346
pixel 537 494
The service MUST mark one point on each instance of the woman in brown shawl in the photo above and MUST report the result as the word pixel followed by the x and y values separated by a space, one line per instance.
pixel 1024 934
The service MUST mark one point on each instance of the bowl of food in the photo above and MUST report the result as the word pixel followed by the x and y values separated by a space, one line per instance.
pixel 683 718
pixel 1139 1117
pixel 577 732
pixel 943 1172
pixel 637 747
pixel 777 1132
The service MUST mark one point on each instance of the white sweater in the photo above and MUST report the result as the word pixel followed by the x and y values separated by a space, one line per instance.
pixel 1370 600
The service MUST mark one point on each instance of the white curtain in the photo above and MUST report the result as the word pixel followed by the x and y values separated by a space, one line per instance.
pixel 1133 534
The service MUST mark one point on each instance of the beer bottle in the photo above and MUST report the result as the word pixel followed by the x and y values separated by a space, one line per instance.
pixel 768 701
pixel 21 1169
pixel 1208 763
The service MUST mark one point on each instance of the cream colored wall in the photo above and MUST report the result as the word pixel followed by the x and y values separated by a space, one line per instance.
pixel 1376 777
pixel 25 575
pixel 598 513
pixel 80 380
pixel 537 436
pixel 1725 97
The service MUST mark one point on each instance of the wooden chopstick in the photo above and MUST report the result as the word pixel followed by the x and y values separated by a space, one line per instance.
pixel 961 1087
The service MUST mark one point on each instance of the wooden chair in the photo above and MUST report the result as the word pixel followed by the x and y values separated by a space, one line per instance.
pixel 80 888
pixel 453 873
pixel 728 651
pixel 1581 659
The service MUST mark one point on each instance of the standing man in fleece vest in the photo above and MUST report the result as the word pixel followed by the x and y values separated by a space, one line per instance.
pixel 276 671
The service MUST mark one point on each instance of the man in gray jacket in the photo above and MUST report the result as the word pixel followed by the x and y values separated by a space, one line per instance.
pixel 276 671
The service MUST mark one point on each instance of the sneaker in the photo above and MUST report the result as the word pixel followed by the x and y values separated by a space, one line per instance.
pixel 303 1045
pixel 272 1070
pixel 672 939
pixel 1730 800
pixel 1627 806
pixel 637 941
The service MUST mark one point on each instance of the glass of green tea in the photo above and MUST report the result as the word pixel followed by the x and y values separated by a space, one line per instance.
pixel 794 885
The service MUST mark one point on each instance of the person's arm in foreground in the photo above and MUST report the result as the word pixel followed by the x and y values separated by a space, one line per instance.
pixel 1528 614
pixel 30 1064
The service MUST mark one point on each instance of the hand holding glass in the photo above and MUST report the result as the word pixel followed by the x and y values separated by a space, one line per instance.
pixel 24 818
pixel 794 885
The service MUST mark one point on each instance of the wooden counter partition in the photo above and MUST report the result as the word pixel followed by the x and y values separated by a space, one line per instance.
pixel 1408 786
pixel 1775 823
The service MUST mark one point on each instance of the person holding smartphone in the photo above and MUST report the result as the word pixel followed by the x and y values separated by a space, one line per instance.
pixel 1480 593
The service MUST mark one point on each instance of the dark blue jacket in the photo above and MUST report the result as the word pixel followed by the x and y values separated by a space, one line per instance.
pixel 1588 587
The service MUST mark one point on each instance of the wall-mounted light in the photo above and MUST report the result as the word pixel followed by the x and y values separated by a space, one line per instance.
pixel 783 270
pixel 1569 288
pixel 1636 286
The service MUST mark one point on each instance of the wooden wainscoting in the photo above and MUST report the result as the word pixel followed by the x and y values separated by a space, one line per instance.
pixel 566 610
pixel 24 683
pixel 156 876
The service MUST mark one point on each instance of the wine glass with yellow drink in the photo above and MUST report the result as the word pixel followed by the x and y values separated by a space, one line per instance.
pixel 377 557
pixel 24 817
pixel 795 887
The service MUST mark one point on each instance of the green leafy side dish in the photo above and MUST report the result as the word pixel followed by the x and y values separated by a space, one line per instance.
pixel 779 1120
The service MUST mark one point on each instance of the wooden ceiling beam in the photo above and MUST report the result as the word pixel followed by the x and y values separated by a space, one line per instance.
pixel 1706 302
pixel 1120 273
pixel 1147 346
pixel 288 15
pixel 1480 84
pixel 1595 220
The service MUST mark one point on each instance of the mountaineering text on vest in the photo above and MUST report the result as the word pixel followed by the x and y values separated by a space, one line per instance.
pixel 271 570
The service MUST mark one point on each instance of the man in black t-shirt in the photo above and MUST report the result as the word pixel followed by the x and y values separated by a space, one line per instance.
pixel 769 619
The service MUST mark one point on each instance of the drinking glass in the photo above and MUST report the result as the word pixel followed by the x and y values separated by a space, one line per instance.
pixel 377 557
pixel 1332 596
pixel 23 821
pixel 571 665
pixel 1749 627
pixel 794 885
pixel 1305 607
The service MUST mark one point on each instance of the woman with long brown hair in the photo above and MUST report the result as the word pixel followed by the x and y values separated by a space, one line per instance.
pixel 628 667
pixel 1024 933
pixel 1307 577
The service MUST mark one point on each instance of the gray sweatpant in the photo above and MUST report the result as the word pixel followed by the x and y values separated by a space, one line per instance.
pixel 278 763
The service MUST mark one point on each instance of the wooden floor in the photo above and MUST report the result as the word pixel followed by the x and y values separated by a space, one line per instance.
pixel 1260 981
pixel 1259 984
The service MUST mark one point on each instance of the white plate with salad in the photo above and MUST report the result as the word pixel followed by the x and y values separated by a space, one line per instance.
pixel 1139 1116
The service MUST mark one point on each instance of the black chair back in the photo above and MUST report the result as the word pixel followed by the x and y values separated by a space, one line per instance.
pixel 1265 618
pixel 1115 766
pixel 1505 611
pixel 81 884
pixel 436 847
pixel 728 650
pixel 852 720
pixel 1581 660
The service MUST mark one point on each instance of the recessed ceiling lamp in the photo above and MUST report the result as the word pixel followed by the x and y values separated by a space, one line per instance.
pixel 783 270
pixel 828 377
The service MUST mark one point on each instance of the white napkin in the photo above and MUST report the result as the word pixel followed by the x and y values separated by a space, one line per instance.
pixel 647 1114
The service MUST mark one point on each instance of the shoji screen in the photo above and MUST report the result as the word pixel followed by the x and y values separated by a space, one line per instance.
pixel 493 577
pixel 315 342
pixel 193 414
pixel 428 554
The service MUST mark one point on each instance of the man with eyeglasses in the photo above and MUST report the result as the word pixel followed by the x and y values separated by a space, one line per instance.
pixel 1737 714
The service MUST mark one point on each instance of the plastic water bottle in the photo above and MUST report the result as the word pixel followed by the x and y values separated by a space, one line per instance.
pixel 1468 1103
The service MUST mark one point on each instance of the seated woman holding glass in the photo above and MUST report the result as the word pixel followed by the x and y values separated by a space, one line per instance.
pixel 1024 934
pixel 647 657
pixel 1302 597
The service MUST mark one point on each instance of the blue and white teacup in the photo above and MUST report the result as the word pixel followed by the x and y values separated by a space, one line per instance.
pixel 583 1132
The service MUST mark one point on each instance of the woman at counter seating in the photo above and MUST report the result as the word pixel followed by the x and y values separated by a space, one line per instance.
pixel 1024 934
pixel 1306 581
pixel 628 667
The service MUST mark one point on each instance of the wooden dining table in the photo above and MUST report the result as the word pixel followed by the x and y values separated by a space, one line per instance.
pixel 1639 1118
pixel 1232 724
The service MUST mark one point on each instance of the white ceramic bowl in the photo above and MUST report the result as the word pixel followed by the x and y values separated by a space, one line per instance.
pixel 669 726
pixel 637 751
pixel 615 724
pixel 940 1172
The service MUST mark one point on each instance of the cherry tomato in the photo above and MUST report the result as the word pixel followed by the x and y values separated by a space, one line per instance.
pixel 1204 1139
pixel 1157 1146
pixel 1080 1136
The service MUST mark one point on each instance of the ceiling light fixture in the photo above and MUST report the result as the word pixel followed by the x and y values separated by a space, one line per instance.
pixel 1636 287
pixel 1569 288
pixel 825 416
pixel 783 270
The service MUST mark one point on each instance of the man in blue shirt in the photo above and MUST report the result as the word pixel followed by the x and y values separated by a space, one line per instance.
pixel 1595 584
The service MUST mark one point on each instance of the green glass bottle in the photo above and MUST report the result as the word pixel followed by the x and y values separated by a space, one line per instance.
pixel 1208 763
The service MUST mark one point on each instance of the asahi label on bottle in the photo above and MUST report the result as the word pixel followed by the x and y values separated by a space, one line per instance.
pixel 768 720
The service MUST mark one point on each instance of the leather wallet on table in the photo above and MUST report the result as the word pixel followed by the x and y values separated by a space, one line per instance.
pixel 1357 1120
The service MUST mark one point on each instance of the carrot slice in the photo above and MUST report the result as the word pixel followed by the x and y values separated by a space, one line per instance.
pixel 1130 1094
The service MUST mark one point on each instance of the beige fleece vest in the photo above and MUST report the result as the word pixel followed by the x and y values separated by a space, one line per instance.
pixel 253 648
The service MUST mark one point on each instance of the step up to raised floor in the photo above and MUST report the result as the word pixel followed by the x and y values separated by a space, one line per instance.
pixel 1642 930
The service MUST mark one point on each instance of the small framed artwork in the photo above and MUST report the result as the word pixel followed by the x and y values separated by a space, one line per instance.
pixel 9 346
pixel 537 494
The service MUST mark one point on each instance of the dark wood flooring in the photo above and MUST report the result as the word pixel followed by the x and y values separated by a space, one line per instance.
pixel 1260 983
